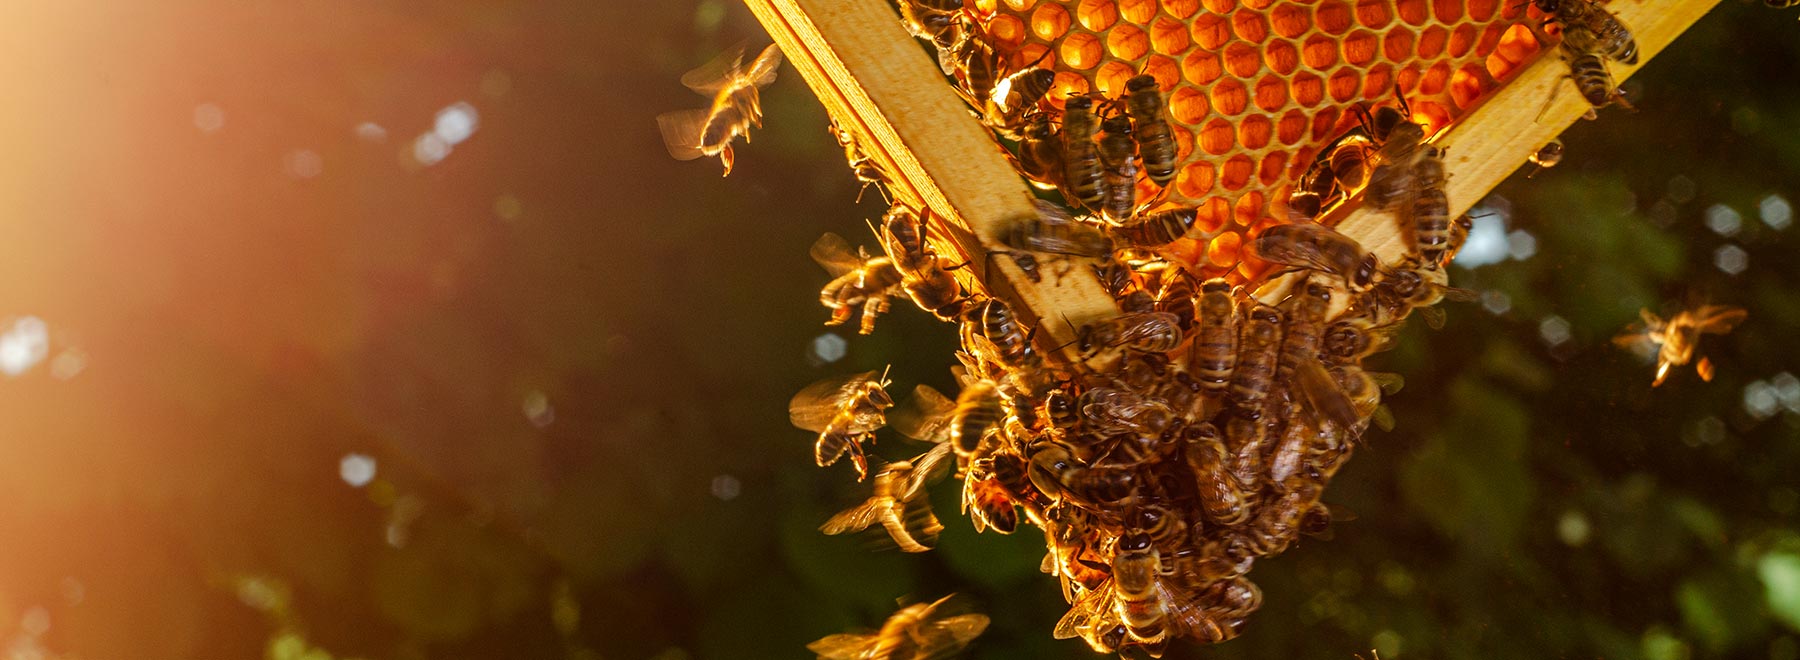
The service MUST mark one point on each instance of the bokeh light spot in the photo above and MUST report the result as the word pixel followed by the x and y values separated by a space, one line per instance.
pixel 24 345
pixel 357 469
pixel 209 118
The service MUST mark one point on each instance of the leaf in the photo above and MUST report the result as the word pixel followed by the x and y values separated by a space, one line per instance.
pixel 1780 574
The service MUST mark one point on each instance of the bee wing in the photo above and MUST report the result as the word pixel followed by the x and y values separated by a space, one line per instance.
pixel 1390 383
pixel 1434 317
pixel 1275 246
pixel 942 639
pixel 925 416
pixel 717 74
pixel 1382 418
pixel 1089 605
pixel 842 646
pixel 835 254
pixel 1637 340
pixel 762 71
pixel 1052 212
pixel 854 519
pixel 927 468
pixel 964 628
pixel 1720 319
pixel 1185 612
pixel 814 406
pixel 1459 294
pixel 682 130
pixel 1327 398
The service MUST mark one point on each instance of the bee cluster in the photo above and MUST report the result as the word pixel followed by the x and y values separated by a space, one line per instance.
pixel 1173 445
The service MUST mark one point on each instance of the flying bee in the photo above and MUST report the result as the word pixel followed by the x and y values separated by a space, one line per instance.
pixel 1152 230
pixel 1118 180
pixel 917 632
pixel 867 171
pixel 1221 497
pixel 845 411
pixel 1155 140
pixel 898 504
pixel 859 281
pixel 1151 332
pixel 986 501
pixel 1590 28
pixel 1459 234
pixel 1259 349
pixel 1411 287
pixel 1083 171
pixel 1052 231
pixel 737 106
pixel 1676 339
pixel 963 424
pixel 1546 157
pixel 1015 99
pixel 1316 247
pixel 1040 151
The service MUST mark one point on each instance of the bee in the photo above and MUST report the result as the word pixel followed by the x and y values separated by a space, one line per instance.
pixel 1177 296
pixel 1305 327
pixel 737 105
pixel 1067 535
pixel 1234 597
pixel 1155 140
pixel 974 63
pixel 1459 234
pixel 1546 157
pixel 1040 151
pixel 917 632
pixel 1410 287
pixel 963 424
pixel 1279 522
pixel 1350 339
pixel 1153 230
pixel 1364 390
pixel 1259 343
pixel 1398 143
pixel 937 21
pixel 845 412
pixel 1590 28
pixel 1314 189
pixel 924 277
pixel 1052 231
pixel 867 171
pixel 986 501
pixel 859 281
pixel 1317 247
pixel 1221 497
pixel 993 322
pixel 1676 339
pixel 1247 437
pixel 1060 408
pixel 1111 410
pixel 1151 332
pixel 1164 526
pixel 1056 473
pixel 898 504
pixel 1093 618
pixel 1015 98
pixel 1118 181
pixel 1213 354
pixel 1349 161
pixel 1082 168
pixel 1594 82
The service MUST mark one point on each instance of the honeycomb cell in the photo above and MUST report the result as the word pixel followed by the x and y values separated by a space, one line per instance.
pixel 1184 142
pixel 1188 106
pixel 1432 41
pixel 1324 124
pixel 1202 67
pixel 1398 47
pixel 1220 7
pixel 1006 31
pixel 1110 80
pixel 1255 131
pixel 1360 47
pixel 1407 79
pixel 1033 54
pixel 1332 16
pixel 1096 15
pixel 1462 39
pixel 1271 93
pixel 1217 137
pixel 1281 56
pixel 1482 11
pixel 1229 97
pixel 1242 60
pixel 1236 172
pixel 1081 50
pixel 1291 128
pixel 1212 215
pixel 1211 31
pixel 1516 46
pixel 1248 209
pixel 1431 115
pixel 1320 52
pixel 1049 22
pixel 1223 250
pixel 1270 170
pixel 1169 36
pixel 1066 84
pixel 1250 26
pixel 1137 11
pixel 1291 20
pixel 1195 180
pixel 1435 79
pixel 1164 69
pixel 1447 11
pixel 1378 82
pixel 1127 42
pixel 1344 84
pixel 1181 8
pixel 1467 85
pixel 1258 5
pixel 1490 37
pixel 1414 12
pixel 1308 89
pixel 1373 13
pixel 1019 5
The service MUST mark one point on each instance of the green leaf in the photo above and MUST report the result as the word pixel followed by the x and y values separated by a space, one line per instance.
pixel 1780 573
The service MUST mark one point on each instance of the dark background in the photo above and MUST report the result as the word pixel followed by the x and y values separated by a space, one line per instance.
pixel 569 357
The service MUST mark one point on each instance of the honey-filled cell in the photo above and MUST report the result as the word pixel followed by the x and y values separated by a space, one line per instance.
pixel 1435 79
pixel 1212 215
pixel 1447 11
pixel 1373 13
pixel 1432 42
pixel 1271 93
pixel 1229 97
pixel 1096 15
pixel 1217 137
pixel 1212 31
pixel 1467 85
pixel 1050 21
pixel 1201 67
pixel 1137 11
pixel 1309 89
pixel 1236 172
pixel 1320 52
pixel 1127 42
pixel 1407 79
pixel 1397 46
pixel 1324 124
pixel 1291 128
pixel 1222 251
pixel 1242 59
pixel 1250 26
pixel 1188 105
pixel 1195 180
pixel 1431 115
pixel 1034 54
pixel 1482 11
pixel 1269 171
pixel 1081 50
pixel 1281 56
pixel 1181 8
pixel 1220 7
pixel 1255 131
pixel 1110 80
pixel 1462 40
pixel 1414 12
pixel 1184 142
pixel 1360 47
pixel 1169 36
pixel 1066 84
pixel 1018 5
pixel 1006 31
pixel 1291 20
pixel 1344 84
pixel 1332 16
pixel 1164 69
pixel 1490 38
pixel 1378 82
pixel 1247 209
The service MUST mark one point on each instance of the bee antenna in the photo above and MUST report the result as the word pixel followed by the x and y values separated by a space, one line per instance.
pixel 884 374
pixel 872 229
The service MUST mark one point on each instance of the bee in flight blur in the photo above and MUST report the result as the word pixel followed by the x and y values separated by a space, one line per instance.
pixel 844 411
pixel 899 504
pixel 737 105
pixel 858 281
pixel 1676 339
pixel 919 631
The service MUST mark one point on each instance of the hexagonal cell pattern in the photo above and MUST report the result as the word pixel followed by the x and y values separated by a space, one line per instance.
pixel 1257 87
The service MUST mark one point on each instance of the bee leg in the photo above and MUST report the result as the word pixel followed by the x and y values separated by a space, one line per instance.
pixel 859 459
pixel 728 158
pixel 839 315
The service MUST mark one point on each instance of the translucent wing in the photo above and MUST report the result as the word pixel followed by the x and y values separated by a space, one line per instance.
pixel 1719 319
pixel 944 638
pixel 927 468
pixel 718 74
pixel 1090 604
pixel 1382 418
pixel 842 646
pixel 1434 317
pixel 1322 391
pixel 682 131
pixel 813 408
pixel 1459 294
pixel 835 254
pixel 926 416
pixel 964 628
pixel 1635 339
pixel 762 71
pixel 1390 383
pixel 856 518
pixel 1276 246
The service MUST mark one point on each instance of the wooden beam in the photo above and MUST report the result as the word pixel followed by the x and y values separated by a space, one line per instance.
pixel 877 80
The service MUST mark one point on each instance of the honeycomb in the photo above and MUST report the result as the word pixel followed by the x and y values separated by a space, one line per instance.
pixel 1255 88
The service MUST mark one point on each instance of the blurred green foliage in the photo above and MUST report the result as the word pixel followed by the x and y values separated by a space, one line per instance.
pixel 1537 499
